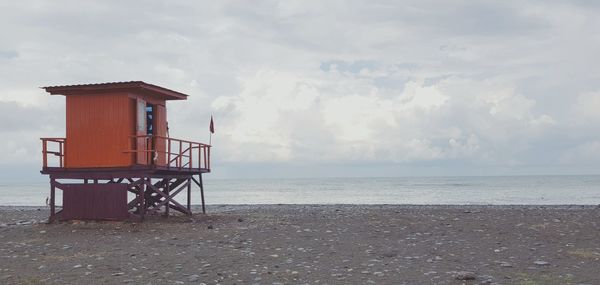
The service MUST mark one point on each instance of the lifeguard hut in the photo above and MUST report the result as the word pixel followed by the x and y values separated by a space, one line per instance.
pixel 117 142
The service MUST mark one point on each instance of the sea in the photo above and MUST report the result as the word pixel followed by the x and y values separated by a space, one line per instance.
pixel 488 190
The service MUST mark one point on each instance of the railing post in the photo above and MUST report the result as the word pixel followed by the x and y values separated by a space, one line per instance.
pixel 208 159
pixel 64 157
pixel 148 153
pixel 169 153
pixel 44 153
pixel 60 153
pixel 190 155
pixel 204 150
pixel 154 153
pixel 180 153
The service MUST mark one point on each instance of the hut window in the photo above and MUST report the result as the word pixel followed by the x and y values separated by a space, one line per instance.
pixel 150 119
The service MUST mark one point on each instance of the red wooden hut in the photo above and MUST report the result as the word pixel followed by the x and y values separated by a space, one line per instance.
pixel 117 141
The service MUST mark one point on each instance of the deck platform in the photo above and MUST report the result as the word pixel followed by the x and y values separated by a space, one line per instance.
pixel 102 194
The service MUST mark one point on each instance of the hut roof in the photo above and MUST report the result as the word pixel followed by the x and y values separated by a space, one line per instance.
pixel 138 87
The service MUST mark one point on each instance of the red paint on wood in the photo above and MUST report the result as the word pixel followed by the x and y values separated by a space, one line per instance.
pixel 95 202
pixel 106 127
pixel 160 127
pixel 98 129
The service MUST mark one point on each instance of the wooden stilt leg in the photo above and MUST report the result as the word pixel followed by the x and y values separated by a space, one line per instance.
pixel 168 198
pixel 52 198
pixel 202 194
pixel 142 196
pixel 189 195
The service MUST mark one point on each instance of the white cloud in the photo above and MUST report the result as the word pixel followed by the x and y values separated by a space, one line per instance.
pixel 454 118
pixel 491 83
pixel 586 109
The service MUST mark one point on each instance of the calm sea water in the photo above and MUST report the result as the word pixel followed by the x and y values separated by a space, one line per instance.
pixel 505 190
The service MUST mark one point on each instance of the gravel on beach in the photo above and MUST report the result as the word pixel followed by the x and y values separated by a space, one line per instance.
pixel 309 244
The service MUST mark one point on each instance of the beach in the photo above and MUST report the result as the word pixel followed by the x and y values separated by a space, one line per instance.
pixel 309 244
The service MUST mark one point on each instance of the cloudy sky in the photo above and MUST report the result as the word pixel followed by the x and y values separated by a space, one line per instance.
pixel 323 88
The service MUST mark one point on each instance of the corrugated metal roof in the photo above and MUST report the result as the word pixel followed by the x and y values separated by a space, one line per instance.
pixel 83 88
pixel 96 84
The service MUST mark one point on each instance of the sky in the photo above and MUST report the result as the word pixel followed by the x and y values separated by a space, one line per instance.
pixel 323 88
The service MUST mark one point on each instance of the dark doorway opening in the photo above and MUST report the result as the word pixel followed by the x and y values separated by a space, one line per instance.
pixel 149 119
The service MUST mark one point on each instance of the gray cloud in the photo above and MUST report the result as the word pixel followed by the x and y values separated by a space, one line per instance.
pixel 419 87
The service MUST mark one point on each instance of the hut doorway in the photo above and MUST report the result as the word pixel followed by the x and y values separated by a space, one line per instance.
pixel 145 129
pixel 150 119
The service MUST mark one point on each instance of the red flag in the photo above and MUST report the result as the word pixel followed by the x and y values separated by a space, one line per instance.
pixel 212 126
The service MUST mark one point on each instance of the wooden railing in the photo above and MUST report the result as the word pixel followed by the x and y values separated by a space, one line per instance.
pixel 53 144
pixel 173 153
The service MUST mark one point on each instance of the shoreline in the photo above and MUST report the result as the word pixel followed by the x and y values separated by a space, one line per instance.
pixel 447 206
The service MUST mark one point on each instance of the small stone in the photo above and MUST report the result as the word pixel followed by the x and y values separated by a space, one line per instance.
pixel 193 278
pixel 465 275
pixel 541 262
pixel 505 264
pixel 500 249
pixel 240 220
pixel 486 279
pixel 210 227
pixel 118 274
pixel 42 232
pixel 78 266
pixel 390 254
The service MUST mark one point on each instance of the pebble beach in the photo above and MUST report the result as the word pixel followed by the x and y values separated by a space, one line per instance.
pixel 309 244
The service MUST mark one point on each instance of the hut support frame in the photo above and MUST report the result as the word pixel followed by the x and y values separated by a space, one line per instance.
pixel 103 196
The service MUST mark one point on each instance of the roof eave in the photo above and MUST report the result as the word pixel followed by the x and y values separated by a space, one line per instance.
pixel 132 86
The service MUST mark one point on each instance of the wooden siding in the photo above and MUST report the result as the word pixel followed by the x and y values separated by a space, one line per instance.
pixel 95 201
pixel 160 127
pixel 99 130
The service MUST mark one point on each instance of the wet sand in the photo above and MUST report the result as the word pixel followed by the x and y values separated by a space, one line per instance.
pixel 309 244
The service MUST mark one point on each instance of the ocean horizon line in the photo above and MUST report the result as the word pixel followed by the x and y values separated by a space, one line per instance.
pixel 208 178
pixel 454 190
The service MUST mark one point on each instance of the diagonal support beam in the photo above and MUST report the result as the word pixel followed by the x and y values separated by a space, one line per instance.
pixel 168 198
